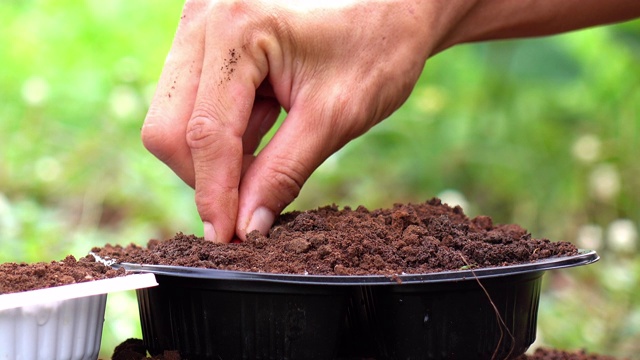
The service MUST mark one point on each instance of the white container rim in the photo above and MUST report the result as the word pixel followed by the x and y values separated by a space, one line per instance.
pixel 72 291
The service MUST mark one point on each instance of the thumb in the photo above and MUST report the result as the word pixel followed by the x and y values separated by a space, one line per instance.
pixel 274 179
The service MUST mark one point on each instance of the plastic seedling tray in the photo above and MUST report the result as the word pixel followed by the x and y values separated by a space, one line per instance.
pixel 480 313
pixel 63 322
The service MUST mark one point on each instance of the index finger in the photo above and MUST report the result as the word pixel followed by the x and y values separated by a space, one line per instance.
pixel 232 71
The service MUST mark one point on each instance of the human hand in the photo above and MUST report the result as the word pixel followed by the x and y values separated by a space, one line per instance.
pixel 337 70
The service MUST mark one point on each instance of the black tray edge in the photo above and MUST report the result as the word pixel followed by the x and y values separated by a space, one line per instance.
pixel 584 257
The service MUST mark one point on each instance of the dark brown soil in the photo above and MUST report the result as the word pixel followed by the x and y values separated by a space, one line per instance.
pixel 551 354
pixel 408 238
pixel 134 349
pixel 24 277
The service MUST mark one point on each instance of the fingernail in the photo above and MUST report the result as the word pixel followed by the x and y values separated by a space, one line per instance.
pixel 261 220
pixel 209 232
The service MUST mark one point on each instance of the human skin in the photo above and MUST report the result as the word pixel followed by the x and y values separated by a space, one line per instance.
pixel 337 69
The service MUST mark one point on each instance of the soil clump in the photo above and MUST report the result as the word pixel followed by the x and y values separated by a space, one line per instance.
pixel 405 239
pixel 134 349
pixel 20 277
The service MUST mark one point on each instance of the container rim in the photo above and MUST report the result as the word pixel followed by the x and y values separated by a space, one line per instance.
pixel 584 257
pixel 77 290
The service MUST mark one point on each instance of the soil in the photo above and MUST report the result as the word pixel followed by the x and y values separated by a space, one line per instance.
pixel 552 354
pixel 407 238
pixel 24 277
pixel 134 349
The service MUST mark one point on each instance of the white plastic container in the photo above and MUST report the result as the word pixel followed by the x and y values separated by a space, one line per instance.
pixel 60 323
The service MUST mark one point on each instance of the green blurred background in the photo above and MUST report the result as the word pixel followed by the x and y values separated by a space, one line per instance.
pixel 540 132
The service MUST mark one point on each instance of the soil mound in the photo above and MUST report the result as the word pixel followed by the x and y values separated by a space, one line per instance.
pixel 24 277
pixel 407 238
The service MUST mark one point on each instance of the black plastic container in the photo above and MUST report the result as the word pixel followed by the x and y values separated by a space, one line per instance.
pixel 447 320
pixel 223 319
pixel 215 314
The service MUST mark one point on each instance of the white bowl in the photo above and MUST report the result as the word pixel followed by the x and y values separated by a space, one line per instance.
pixel 60 323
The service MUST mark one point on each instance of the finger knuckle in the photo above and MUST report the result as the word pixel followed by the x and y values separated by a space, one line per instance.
pixel 287 178
pixel 192 8
pixel 236 7
pixel 158 137
pixel 202 131
pixel 345 116
pixel 254 23
pixel 206 124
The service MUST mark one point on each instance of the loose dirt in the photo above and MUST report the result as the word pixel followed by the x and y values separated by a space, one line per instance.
pixel 134 349
pixel 24 277
pixel 407 238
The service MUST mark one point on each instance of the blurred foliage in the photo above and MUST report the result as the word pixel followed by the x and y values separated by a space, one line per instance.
pixel 539 132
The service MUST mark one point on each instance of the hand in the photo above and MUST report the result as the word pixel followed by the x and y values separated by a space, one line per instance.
pixel 337 71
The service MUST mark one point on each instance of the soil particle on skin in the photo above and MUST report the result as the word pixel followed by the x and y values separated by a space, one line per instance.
pixel 407 238
pixel 24 277
pixel 552 354
pixel 229 64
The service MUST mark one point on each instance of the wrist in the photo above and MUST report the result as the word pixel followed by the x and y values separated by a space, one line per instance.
pixel 445 22
pixel 503 19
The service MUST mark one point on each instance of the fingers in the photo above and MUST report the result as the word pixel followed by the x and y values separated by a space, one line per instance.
pixel 202 106
pixel 274 178
pixel 213 106
pixel 216 130
pixel 166 121
pixel 264 114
